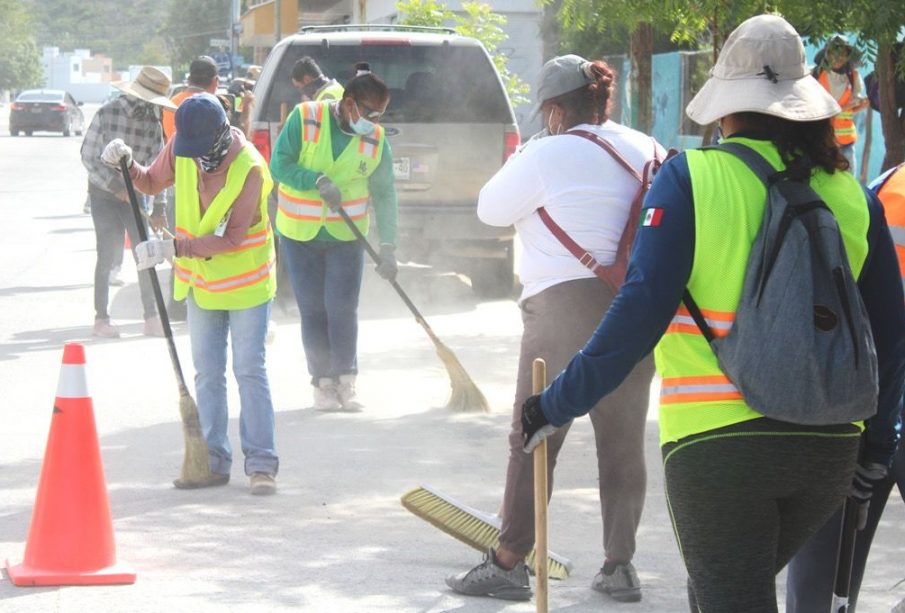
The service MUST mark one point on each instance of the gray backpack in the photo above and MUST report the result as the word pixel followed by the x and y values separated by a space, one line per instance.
pixel 801 348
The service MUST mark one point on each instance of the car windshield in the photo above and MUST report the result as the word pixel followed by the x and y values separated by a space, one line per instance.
pixel 40 97
pixel 435 84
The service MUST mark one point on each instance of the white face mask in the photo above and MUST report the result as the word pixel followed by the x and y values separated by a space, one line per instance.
pixel 549 123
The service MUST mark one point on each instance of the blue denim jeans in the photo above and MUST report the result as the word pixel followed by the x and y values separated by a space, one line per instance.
pixel 208 331
pixel 326 279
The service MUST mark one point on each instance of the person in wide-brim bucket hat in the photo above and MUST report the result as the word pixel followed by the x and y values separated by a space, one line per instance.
pixel 151 85
pixel 762 68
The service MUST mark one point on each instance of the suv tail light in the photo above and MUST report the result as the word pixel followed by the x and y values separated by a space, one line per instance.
pixel 58 107
pixel 511 140
pixel 15 106
pixel 260 138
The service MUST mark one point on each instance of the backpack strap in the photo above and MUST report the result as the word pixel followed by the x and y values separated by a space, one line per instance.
pixel 614 274
pixel 766 173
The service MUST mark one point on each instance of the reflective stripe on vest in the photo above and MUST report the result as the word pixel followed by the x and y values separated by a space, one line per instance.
pixel 844 122
pixel 302 213
pixel 729 200
pixel 892 195
pixel 243 276
pixel 698 389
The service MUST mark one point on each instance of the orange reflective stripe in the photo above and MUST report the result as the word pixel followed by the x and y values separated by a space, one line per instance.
pixel 226 284
pixel 312 116
pixel 367 145
pixel 708 388
pixel 309 209
pixel 720 322
pixel 250 241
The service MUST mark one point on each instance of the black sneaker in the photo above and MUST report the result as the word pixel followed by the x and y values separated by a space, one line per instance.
pixel 488 579
pixel 621 585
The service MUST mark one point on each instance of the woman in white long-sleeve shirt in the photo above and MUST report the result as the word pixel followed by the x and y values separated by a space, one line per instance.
pixel 588 194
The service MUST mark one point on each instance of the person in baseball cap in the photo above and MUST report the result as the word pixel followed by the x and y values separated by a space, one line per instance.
pixel 561 75
pixel 200 121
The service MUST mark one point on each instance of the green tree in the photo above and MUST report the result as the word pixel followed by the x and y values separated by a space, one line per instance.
pixel 20 62
pixel 189 26
pixel 477 21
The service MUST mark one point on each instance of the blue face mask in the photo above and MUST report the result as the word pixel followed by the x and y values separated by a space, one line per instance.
pixel 362 126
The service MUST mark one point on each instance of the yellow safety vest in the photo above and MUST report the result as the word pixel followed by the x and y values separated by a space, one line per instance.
pixel 330 91
pixel 729 201
pixel 892 195
pixel 302 213
pixel 844 122
pixel 243 277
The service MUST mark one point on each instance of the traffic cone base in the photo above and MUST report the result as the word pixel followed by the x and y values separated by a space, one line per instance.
pixel 23 575
pixel 70 540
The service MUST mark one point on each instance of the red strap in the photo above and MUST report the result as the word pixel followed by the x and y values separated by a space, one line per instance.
pixel 614 274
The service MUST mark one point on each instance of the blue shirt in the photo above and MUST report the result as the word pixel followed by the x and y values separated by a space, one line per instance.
pixel 658 273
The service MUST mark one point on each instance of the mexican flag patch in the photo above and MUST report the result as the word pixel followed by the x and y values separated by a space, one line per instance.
pixel 651 218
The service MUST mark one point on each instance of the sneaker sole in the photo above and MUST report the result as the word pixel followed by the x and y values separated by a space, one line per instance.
pixel 264 490
pixel 623 595
pixel 514 593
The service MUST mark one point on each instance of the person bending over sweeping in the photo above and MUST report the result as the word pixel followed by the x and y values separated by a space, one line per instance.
pixel 330 155
pixel 223 255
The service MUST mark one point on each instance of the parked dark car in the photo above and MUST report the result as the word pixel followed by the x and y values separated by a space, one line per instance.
pixel 45 110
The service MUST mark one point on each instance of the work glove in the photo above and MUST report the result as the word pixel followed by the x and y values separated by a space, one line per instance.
pixel 387 268
pixel 866 478
pixel 329 192
pixel 115 151
pixel 535 427
pixel 153 251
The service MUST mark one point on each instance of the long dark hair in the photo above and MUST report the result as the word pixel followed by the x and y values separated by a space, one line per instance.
pixel 803 145
pixel 366 85
pixel 589 104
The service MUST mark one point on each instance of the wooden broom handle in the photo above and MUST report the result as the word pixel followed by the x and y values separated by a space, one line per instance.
pixel 539 382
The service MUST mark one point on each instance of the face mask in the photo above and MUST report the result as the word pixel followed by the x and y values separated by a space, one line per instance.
pixel 361 126
pixel 211 160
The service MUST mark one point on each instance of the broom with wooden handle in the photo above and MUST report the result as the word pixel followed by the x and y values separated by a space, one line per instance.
pixel 464 395
pixel 195 463
pixel 538 382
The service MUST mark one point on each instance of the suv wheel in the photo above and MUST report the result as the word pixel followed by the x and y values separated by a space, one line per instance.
pixel 67 129
pixel 493 277
pixel 14 132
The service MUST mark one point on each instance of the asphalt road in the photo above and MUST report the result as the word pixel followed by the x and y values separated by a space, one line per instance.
pixel 335 537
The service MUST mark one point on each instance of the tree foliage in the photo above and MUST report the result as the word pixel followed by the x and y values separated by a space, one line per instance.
pixel 477 21
pixel 20 61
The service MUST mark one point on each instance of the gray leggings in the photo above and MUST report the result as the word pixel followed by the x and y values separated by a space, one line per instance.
pixel 557 323
pixel 744 498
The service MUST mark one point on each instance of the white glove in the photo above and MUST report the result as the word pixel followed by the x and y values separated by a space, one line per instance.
pixel 154 251
pixel 116 150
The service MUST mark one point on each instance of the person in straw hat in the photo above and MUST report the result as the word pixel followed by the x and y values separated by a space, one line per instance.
pixel 744 491
pixel 136 116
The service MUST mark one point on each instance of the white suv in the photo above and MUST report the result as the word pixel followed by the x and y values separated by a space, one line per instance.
pixel 450 126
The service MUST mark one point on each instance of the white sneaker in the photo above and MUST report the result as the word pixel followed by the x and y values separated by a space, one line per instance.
pixel 114 278
pixel 346 392
pixel 325 398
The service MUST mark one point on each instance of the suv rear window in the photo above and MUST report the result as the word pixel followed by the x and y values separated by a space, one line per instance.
pixel 431 84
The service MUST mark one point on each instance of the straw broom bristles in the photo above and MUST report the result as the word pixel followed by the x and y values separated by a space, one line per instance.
pixel 464 394
pixel 195 462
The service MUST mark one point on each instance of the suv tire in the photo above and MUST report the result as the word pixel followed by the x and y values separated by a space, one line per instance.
pixel 493 278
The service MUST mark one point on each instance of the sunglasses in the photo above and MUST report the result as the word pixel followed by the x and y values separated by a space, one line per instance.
pixel 368 112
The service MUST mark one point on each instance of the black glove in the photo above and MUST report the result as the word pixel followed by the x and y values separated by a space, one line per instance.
pixel 329 192
pixel 535 427
pixel 866 478
pixel 387 267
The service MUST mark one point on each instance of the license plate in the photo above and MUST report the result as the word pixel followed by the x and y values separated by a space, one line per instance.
pixel 402 169
pixel 36 110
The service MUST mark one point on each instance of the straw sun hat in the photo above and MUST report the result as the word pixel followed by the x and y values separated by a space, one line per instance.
pixel 762 69
pixel 151 85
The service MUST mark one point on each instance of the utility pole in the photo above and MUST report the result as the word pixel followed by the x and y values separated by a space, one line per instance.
pixel 235 28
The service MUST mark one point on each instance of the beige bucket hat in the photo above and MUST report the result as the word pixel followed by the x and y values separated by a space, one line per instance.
pixel 151 85
pixel 762 69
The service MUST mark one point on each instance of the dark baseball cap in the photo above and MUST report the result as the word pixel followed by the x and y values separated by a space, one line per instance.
pixel 559 76
pixel 202 69
pixel 199 121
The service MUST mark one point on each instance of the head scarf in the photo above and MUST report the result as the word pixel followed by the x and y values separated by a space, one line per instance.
pixel 211 160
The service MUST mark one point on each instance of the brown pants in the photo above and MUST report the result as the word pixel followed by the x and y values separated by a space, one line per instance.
pixel 557 324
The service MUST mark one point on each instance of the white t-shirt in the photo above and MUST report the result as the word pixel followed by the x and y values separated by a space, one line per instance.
pixel 586 192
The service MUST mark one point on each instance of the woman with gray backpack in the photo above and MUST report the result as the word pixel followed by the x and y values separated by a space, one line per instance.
pixel 760 248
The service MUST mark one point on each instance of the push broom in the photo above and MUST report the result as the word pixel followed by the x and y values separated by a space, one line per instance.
pixel 195 463
pixel 464 395
pixel 482 530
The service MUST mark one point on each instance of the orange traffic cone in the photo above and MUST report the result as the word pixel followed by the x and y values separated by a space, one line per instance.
pixel 70 541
